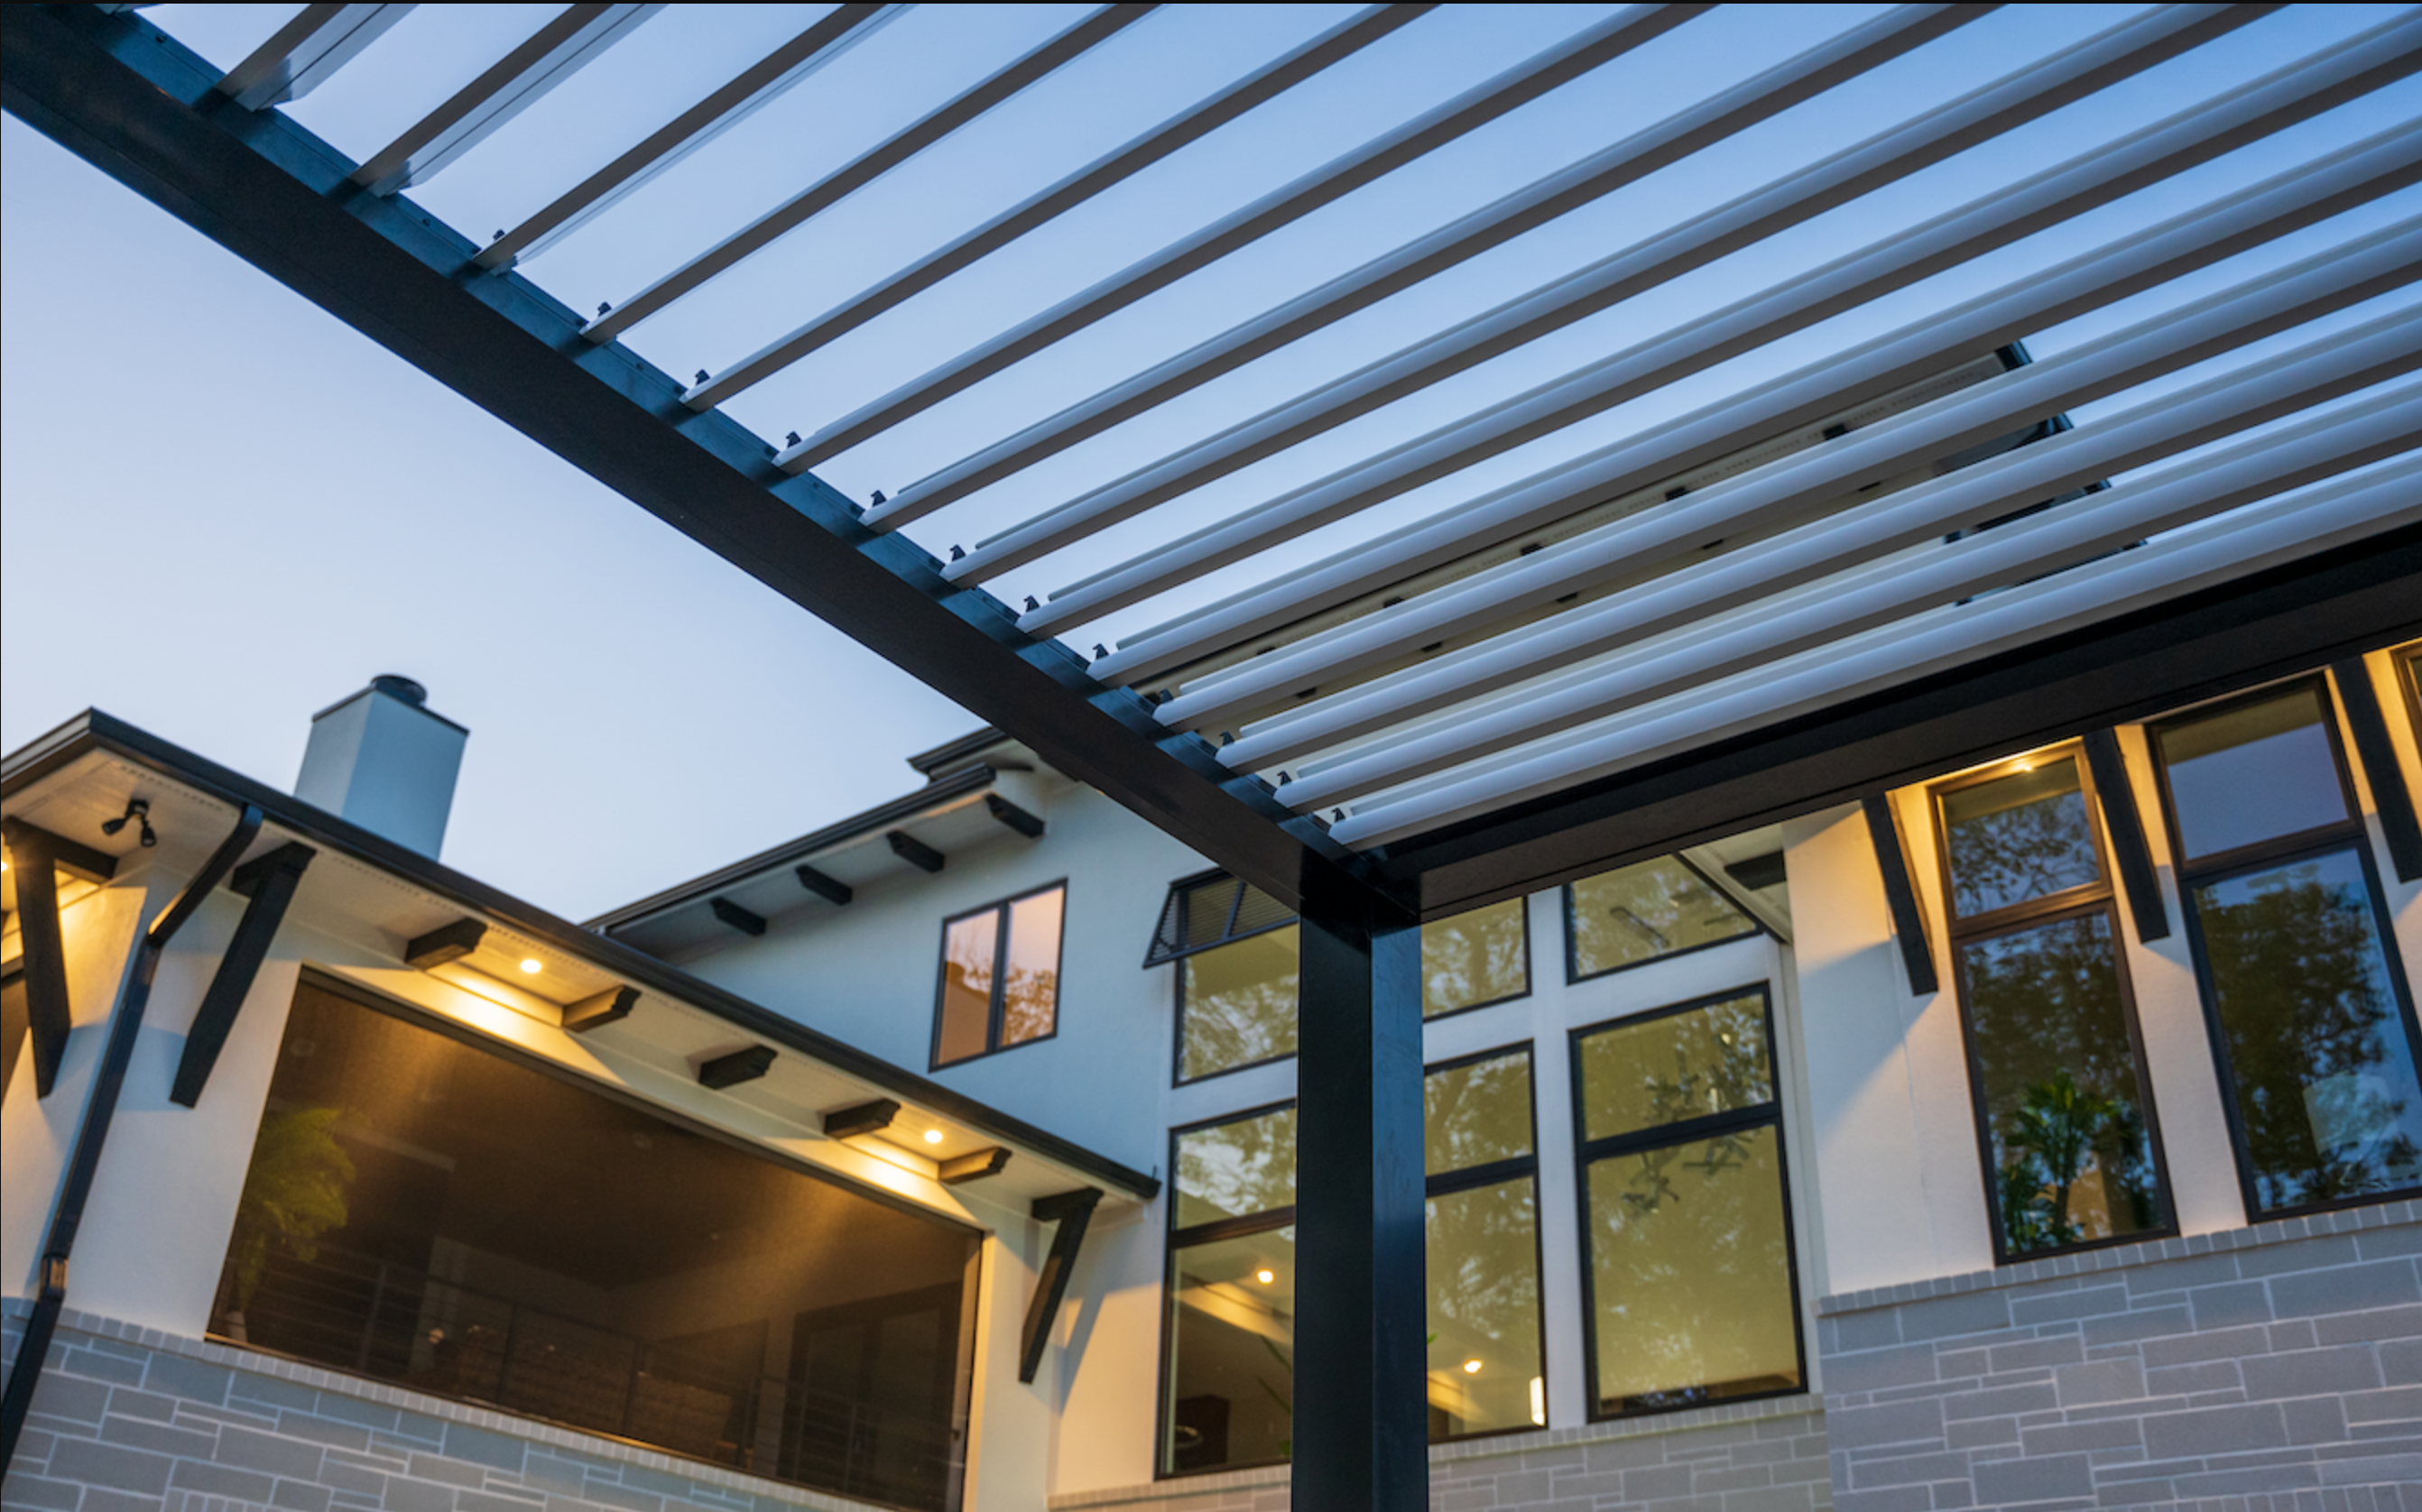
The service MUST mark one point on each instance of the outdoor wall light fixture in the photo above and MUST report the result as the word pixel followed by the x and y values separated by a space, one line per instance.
pixel 138 811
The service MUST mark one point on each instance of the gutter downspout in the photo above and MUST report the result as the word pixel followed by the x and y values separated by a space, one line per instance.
pixel 86 1162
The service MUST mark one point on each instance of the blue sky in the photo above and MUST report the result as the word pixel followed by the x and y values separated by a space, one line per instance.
pixel 224 510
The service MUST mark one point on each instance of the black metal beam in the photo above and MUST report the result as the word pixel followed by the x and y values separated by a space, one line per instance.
pixel 270 881
pixel 860 1118
pixel 831 889
pixel 1900 893
pixel 33 853
pixel 961 1169
pixel 1074 1212
pixel 1029 825
pixel 83 1160
pixel 915 851
pixel 448 941
pixel 598 1009
pixel 726 1071
pixel 130 100
pixel 2125 822
pixel 2390 798
pixel 739 918
pixel 1361 1420
pixel 2267 625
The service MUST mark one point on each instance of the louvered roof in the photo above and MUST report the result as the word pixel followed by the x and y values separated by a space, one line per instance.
pixel 1395 421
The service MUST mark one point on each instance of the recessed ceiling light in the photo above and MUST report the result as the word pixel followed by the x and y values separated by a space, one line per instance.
pixel 1265 1275
pixel 1471 1367
pixel 932 1136
pixel 533 965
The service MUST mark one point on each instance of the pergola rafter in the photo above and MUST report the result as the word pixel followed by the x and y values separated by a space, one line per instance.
pixel 1877 567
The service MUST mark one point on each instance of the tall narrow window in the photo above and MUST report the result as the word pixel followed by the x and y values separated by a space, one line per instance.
pixel 1657 908
pixel 1482 1220
pixel 1000 976
pixel 2064 1110
pixel 1230 1326
pixel 2310 1010
pixel 1686 1225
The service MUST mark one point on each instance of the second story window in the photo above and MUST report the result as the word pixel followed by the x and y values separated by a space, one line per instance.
pixel 2308 1005
pixel 1641 913
pixel 1000 976
pixel 2063 1111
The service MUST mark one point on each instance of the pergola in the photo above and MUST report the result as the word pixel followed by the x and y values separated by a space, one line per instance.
pixel 1862 571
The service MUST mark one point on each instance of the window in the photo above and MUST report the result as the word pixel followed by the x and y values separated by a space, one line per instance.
pixel 1236 950
pixel 2309 1004
pixel 1475 959
pixel 1657 907
pixel 1688 1268
pixel 2064 1108
pixel 443 1216
pixel 1481 1218
pixel 14 1026
pixel 1000 976
pixel 1230 1326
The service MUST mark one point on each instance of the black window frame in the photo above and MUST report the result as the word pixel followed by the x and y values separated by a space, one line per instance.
pixel 1572 966
pixel 998 1007
pixel 1587 1152
pixel 1492 1174
pixel 2408 662
pixel 1175 1239
pixel 2349 834
pixel 2085 901
pixel 13 973
pixel 1530 979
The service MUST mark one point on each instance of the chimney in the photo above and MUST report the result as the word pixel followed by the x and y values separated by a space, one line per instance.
pixel 384 762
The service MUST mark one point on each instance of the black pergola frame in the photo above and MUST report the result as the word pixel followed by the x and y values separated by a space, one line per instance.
pixel 128 98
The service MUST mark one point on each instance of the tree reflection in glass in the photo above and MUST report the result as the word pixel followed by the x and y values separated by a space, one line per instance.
pixel 2057 1075
pixel 1639 912
pixel 1475 958
pixel 2020 837
pixel 2323 1065
pixel 1236 1004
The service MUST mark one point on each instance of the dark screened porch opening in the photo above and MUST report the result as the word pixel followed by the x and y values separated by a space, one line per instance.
pixel 450 1219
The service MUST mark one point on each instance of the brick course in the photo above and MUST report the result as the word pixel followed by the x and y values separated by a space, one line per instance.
pixel 2255 1370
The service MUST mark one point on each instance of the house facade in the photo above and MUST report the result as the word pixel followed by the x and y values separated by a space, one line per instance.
pixel 2048 1135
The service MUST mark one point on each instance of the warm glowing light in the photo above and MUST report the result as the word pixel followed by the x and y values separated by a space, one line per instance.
pixel 1471 1367
pixel 1538 1401
pixel 932 1136
pixel 533 965
pixel 1265 1275
pixel 2026 764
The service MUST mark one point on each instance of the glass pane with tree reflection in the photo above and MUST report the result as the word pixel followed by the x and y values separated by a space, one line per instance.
pixel 1484 1310
pixel 1690 1286
pixel 1641 913
pixel 2019 837
pixel 1677 1065
pixel 1235 1169
pixel 1236 1004
pixel 2063 1097
pixel 970 947
pixel 1475 958
pixel 2319 1054
pixel 1029 1002
pixel 1476 1114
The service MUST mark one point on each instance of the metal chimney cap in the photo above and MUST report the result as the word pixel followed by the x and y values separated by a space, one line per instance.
pixel 400 688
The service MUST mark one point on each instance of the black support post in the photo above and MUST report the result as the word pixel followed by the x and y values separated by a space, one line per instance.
pixel 2390 796
pixel 2128 851
pixel 270 881
pixel 1072 1211
pixel 32 852
pixel 1900 893
pixel 1362 1439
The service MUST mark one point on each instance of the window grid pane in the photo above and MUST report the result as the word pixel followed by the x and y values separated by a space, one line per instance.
pixel 1483 1271
pixel 1476 1114
pixel 1236 1004
pixel 1675 1067
pixel 1031 996
pixel 1237 1169
pixel 2251 773
pixel 2017 838
pixel 969 948
pixel 1657 907
pixel 1475 958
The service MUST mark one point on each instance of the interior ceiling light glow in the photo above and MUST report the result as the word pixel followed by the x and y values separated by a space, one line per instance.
pixel 1471 1367
pixel 533 965
pixel 932 1136
pixel 1265 1275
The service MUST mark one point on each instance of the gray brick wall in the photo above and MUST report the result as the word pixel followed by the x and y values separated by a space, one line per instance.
pixel 126 1420
pixel 2261 1369
pixel 1756 1457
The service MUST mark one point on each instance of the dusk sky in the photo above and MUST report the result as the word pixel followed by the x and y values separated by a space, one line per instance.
pixel 221 510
